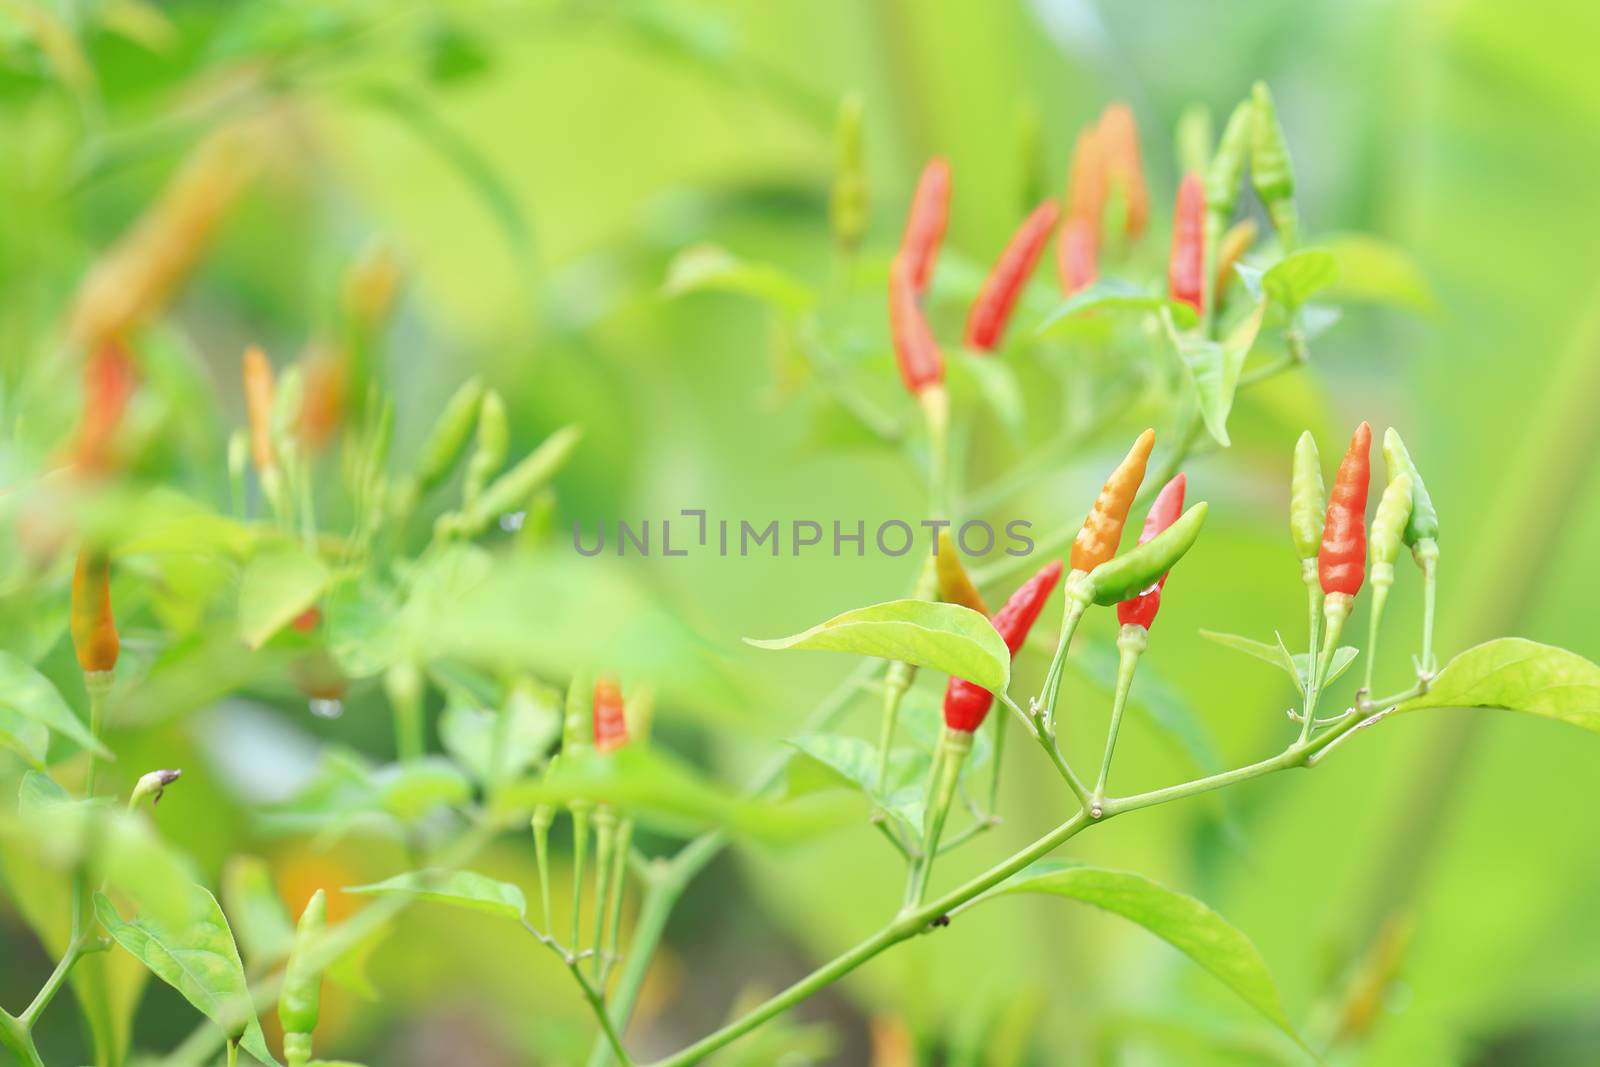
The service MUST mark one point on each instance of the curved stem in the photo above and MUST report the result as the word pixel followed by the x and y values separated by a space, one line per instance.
pixel 15 1036
pixel 1130 645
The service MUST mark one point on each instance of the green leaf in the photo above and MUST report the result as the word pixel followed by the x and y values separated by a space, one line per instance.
pixel 412 789
pixel 27 693
pixel 1298 666
pixel 278 584
pixel 996 381
pixel 1110 294
pixel 663 792
pixel 199 960
pixel 260 920
pixel 1518 675
pixel 1296 277
pixel 28 738
pixel 947 638
pixel 496 745
pixel 1214 367
pixel 710 268
pixel 462 889
pixel 1178 919
pixel 1378 272
pixel 853 761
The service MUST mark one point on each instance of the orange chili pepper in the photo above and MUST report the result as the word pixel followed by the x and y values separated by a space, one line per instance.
pixel 1119 135
pixel 1086 185
pixel 1102 529
pixel 94 628
pixel 1235 243
pixel 1076 256
pixel 1186 270
pixel 258 390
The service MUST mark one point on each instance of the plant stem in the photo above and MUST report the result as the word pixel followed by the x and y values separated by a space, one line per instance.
pixel 1130 645
pixel 97 684
pixel 580 848
pixel 605 836
pixel 15 1036
pixel 79 947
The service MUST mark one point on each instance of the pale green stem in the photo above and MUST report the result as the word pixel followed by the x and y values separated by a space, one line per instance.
pixel 580 849
pixel 1334 615
pixel 81 946
pixel 1430 590
pixel 1071 616
pixel 1130 646
pixel 943 777
pixel 15 1036
pixel 98 685
pixel 619 877
pixel 542 817
pixel 605 837
pixel 1380 597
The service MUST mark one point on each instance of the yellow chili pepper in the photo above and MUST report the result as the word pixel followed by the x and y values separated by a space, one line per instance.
pixel 94 628
pixel 955 584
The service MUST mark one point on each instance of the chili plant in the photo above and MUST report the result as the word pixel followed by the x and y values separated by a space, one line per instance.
pixel 339 567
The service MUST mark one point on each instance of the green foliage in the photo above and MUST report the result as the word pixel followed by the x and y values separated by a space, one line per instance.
pixel 1517 675
pixel 461 889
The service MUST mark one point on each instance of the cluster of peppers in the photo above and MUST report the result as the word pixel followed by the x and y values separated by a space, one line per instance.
pixel 1333 542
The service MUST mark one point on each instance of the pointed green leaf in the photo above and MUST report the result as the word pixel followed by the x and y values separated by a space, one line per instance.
pixel 1518 675
pixel 944 637
pixel 1178 919
pixel 1214 367
pixel 1110 294
pixel 29 694
pixel 1376 271
pixel 197 958
pixel 278 584
pixel 260 920
pixel 707 268
pixel 412 789
pixel 462 889
pixel 1295 278
pixel 1298 665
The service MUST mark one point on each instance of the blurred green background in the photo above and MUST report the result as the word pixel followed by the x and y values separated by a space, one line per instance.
pixel 535 167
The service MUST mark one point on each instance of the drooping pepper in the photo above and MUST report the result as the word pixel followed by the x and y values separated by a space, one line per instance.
pixel 1307 505
pixel 1235 243
pixel 1186 267
pixel 1421 533
pixel 94 628
pixel 966 704
pixel 1137 569
pixel 300 996
pixel 1102 529
pixel 916 352
pixel 1388 527
pixel 610 722
pixel 448 437
pixel 494 438
pixel 955 584
pixel 992 308
pixel 1270 170
pixel 1086 182
pixel 259 388
pixel 1077 256
pixel 1141 610
pixel 1119 136
pixel 1342 559
pixel 108 383
pixel 1225 175
pixel 925 225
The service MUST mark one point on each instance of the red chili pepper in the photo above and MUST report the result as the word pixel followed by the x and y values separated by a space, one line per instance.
pixel 930 211
pixel 1141 610
pixel 915 350
pixel 610 723
pixel 992 308
pixel 1077 256
pixel 108 383
pixel 1342 560
pixel 1186 270
pixel 307 620
pixel 965 704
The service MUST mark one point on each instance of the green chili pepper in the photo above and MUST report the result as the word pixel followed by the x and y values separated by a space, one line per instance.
pixel 1308 501
pixel 1270 170
pixel 1193 139
pixel 1388 527
pixel 516 486
pixel 300 997
pixel 493 440
pixel 1136 570
pixel 1226 173
pixel 1424 521
pixel 448 437
pixel 847 203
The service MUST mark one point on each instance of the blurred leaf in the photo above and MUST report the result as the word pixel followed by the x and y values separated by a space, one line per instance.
pixel 1178 919
pixel 410 790
pixel 996 382
pixel 1343 656
pixel 1378 272
pixel 947 638
pixel 259 918
pixel 462 889
pixel 28 738
pixel 496 745
pixel 1518 675
pixel 29 694
pixel 710 268
pixel 1214 367
pixel 1294 278
pixel 853 762
pixel 656 789
pixel 278 585
pixel 199 960
pixel 1109 294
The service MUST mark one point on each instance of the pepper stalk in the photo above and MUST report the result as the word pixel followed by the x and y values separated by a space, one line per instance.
pixel 1132 640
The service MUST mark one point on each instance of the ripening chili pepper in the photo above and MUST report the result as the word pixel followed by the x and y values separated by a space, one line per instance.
pixel 449 435
pixel 1307 504
pixel 1270 170
pixel 916 352
pixel 1119 137
pixel 1342 560
pixel 108 383
pixel 94 628
pixel 258 396
pixel 1186 267
pixel 1388 528
pixel 1086 183
pixel 1235 243
pixel 955 584
pixel 1097 541
pixel 1137 569
pixel 966 704
pixel 992 308
pixel 300 996
pixel 610 722
pixel 323 402
pixel 1421 533
pixel 307 620
pixel 930 211
pixel 1225 175
pixel 1077 256
pixel 847 201
pixel 1141 610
